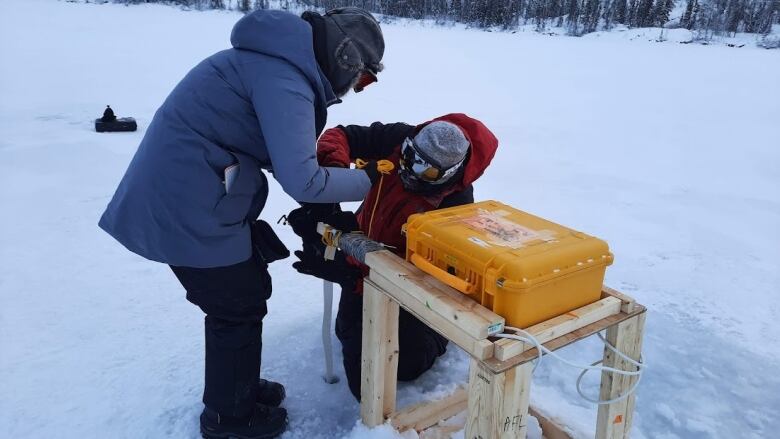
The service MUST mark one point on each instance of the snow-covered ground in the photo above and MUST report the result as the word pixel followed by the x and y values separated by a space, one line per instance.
pixel 668 151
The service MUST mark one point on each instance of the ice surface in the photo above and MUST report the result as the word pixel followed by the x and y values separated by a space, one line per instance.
pixel 667 151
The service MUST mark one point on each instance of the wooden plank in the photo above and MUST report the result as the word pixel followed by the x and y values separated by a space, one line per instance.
pixel 391 355
pixel 550 429
pixel 480 349
pixel 497 365
pixel 498 403
pixel 379 357
pixel 558 326
pixel 455 307
pixel 429 413
pixel 441 432
pixel 628 301
pixel 614 420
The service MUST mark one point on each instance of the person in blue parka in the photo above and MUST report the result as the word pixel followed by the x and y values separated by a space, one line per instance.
pixel 193 191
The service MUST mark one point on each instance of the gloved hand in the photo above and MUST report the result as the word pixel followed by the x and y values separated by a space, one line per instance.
pixel 305 218
pixel 304 223
pixel 343 221
pixel 337 271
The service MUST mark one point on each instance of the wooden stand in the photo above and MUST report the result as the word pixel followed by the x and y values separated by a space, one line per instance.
pixel 497 397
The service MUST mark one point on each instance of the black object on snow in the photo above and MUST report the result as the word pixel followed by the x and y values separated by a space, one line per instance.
pixel 110 123
pixel 108 115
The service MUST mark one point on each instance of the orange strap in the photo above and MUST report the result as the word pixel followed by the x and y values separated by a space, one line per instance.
pixel 384 167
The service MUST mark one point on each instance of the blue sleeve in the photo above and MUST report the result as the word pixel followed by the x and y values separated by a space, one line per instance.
pixel 284 103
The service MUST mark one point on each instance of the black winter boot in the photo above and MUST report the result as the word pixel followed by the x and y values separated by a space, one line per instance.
pixel 264 423
pixel 270 393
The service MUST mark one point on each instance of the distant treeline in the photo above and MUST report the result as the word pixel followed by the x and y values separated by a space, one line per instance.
pixel 578 17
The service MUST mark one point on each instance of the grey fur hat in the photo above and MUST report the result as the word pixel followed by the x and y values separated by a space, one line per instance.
pixel 347 41
pixel 443 142
pixel 362 31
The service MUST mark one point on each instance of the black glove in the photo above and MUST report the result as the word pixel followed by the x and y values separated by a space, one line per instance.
pixel 305 218
pixel 343 221
pixel 338 271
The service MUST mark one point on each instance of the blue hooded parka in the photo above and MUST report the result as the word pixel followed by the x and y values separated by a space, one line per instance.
pixel 260 105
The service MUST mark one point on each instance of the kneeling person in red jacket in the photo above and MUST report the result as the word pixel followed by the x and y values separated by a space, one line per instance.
pixel 435 165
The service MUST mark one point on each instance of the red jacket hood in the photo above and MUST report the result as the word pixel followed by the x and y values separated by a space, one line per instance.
pixel 483 145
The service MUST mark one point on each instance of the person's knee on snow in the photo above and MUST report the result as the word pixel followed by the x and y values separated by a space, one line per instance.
pixel 418 345
pixel 349 331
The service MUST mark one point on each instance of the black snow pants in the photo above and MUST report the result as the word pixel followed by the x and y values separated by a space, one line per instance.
pixel 234 300
pixel 418 345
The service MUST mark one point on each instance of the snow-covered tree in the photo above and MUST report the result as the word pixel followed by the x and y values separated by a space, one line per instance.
pixel 706 17
pixel 689 17
pixel 661 12
pixel 621 11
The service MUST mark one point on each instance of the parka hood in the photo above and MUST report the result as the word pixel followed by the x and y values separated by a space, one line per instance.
pixel 282 35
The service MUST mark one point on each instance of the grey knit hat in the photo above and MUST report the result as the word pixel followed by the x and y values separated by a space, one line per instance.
pixel 442 142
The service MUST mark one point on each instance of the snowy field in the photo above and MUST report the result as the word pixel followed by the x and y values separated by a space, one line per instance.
pixel 669 152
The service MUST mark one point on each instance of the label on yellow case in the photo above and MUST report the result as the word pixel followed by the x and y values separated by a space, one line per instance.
pixel 502 231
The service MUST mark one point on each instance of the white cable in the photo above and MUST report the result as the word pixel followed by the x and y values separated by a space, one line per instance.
pixel 605 401
pixel 638 364
pixel 528 338
pixel 533 340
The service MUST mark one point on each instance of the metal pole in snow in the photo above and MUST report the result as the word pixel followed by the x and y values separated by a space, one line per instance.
pixel 355 245
pixel 327 345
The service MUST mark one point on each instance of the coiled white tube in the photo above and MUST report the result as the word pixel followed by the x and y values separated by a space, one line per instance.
pixel 640 365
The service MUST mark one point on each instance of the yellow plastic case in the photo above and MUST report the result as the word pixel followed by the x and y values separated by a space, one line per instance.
pixel 523 267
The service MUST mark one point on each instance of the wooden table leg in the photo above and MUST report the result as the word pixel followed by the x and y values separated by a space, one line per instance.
pixel 498 403
pixel 379 356
pixel 614 420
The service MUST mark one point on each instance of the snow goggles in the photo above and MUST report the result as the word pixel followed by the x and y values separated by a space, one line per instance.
pixel 422 167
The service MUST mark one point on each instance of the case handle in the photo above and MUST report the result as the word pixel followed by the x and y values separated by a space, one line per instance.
pixel 449 279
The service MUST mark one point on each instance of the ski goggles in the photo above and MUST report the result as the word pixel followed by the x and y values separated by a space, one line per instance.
pixel 416 163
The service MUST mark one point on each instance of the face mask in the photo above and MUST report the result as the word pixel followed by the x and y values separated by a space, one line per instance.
pixel 413 184
pixel 366 78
